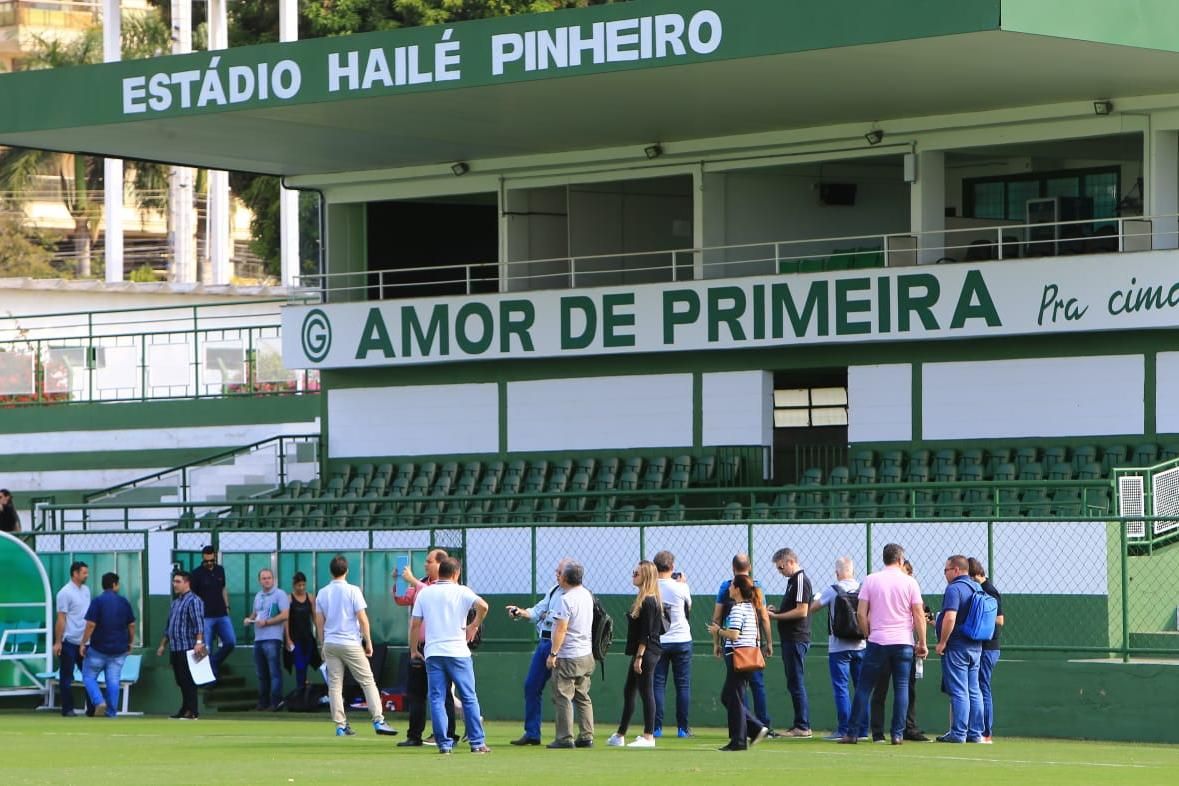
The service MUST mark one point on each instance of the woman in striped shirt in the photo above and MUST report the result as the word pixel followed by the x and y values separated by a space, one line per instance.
pixel 741 629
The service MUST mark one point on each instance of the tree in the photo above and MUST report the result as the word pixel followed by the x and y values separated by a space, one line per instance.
pixel 23 255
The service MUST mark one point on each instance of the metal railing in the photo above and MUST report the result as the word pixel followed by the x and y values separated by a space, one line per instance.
pixel 960 244
pixel 1149 498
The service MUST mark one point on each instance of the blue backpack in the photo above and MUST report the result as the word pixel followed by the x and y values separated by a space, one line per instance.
pixel 978 623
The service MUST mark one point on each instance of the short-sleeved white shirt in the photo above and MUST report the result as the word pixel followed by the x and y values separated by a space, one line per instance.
pixel 443 606
pixel 577 606
pixel 339 603
pixel 835 644
pixel 677 601
pixel 73 601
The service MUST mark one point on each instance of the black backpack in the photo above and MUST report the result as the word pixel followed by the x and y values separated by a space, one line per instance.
pixel 601 633
pixel 307 699
pixel 474 643
pixel 841 616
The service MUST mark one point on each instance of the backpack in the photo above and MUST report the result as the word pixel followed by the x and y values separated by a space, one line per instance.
pixel 307 699
pixel 601 633
pixel 978 623
pixel 664 619
pixel 842 614
pixel 474 643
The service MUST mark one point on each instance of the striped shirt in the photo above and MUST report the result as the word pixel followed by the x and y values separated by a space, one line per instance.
pixel 742 618
pixel 186 621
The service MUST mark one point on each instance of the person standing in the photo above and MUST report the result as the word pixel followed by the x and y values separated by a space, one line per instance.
pixel 794 633
pixel 347 644
pixel 913 732
pixel 184 631
pixel 844 656
pixel 961 657
pixel 106 642
pixel 572 660
pixel 676 597
pixel 299 629
pixel 271 607
pixel 990 649
pixel 208 582
pixel 538 673
pixel 643 629
pixel 9 519
pixel 73 601
pixel 757 682
pixel 742 628
pixel 417 682
pixel 891 614
pixel 445 605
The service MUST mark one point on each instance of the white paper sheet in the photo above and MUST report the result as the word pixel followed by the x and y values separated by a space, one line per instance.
pixel 201 670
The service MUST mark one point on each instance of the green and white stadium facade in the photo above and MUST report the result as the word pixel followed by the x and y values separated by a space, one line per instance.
pixel 806 243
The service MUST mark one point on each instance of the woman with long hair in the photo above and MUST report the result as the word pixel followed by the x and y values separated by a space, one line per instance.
pixel 741 629
pixel 300 630
pixel 643 629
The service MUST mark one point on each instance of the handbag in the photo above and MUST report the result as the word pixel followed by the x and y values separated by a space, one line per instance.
pixel 746 659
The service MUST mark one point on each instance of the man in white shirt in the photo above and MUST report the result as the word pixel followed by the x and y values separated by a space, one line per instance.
pixel 572 660
pixel 347 643
pixel 72 602
pixel 676 597
pixel 844 656
pixel 443 606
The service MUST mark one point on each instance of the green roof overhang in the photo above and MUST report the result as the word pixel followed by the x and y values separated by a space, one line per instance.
pixel 727 68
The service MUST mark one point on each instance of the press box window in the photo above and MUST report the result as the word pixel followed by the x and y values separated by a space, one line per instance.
pixel 809 407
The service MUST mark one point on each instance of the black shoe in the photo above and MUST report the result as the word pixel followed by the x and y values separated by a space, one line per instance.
pixel 877 738
pixel 409 744
pixel 947 738
pixel 560 744
pixel 848 739
pixel 583 743
pixel 90 711
pixel 261 707
pixel 916 736
pixel 525 741
pixel 731 747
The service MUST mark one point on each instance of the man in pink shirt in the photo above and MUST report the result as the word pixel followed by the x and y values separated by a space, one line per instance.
pixel 890 612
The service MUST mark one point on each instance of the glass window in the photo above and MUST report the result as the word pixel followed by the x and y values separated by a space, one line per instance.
pixel 988 200
pixel 1018 194
pixel 806 407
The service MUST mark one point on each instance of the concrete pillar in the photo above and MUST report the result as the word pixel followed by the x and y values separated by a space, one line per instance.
pixel 218 245
pixel 927 206
pixel 182 213
pixel 1162 187
pixel 112 35
pixel 288 30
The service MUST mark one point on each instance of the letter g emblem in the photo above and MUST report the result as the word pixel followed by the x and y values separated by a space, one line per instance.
pixel 316 335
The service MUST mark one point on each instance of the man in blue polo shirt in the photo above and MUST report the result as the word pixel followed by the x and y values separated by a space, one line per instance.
pixel 961 656
pixel 110 630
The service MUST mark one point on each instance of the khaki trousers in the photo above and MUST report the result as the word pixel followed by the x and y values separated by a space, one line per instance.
pixel 352 657
pixel 571 687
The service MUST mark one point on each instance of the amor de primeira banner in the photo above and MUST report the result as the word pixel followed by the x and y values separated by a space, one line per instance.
pixel 1099 292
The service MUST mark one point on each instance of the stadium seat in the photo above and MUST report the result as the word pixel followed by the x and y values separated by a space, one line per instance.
pixel 650 514
pixel 732 512
pixel 1090 471
pixel 918 473
pixel 949 503
pixel 943 460
pixel 628 480
pixel 1082 455
pixel 1113 456
pixel 1035 503
pixel 970 472
pixel 633 464
pixel 1054 455
pixel 784 505
pixel 996 457
pixel 682 464
pixel 654 474
pixel 759 511
pixel 1031 471
pixel 1060 470
pixel 1145 455
pixel 679 479
pixel 811 500
pixel 729 472
pixel 607 476
pixel 945 473
pixel 892 458
pixel 623 514
pixel 1026 455
pixel 862 460
pixel 704 470
pixel 972 457
pixel 920 457
pixel 1168 452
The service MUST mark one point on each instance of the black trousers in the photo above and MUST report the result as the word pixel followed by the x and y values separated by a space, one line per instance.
pixel 415 697
pixel 644 685
pixel 188 689
pixel 743 724
pixel 880 693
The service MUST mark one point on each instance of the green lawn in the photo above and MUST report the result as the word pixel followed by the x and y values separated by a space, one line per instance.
pixel 40 748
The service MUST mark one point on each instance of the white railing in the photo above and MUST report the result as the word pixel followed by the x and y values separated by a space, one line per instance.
pixel 955 244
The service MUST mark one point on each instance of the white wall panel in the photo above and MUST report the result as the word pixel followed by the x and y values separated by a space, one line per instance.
pixel 599 413
pixel 738 408
pixel 413 421
pixel 1167 393
pixel 880 403
pixel 1034 397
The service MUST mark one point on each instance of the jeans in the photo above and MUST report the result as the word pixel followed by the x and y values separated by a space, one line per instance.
pixel 742 723
pixel 985 669
pixel 441 672
pixel 644 685
pixel 65 678
pixel 845 678
pixel 111 667
pixel 960 666
pixel 302 657
pixel 538 677
pixel 880 693
pixel 757 686
pixel 416 699
pixel 897 658
pixel 222 627
pixel 794 658
pixel 268 664
pixel 677 657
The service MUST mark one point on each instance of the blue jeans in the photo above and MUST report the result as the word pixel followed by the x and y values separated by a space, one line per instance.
pixel 845 677
pixel 960 666
pixel 268 663
pixel 111 667
pixel 302 658
pixel 899 659
pixel 538 677
pixel 460 671
pixel 222 627
pixel 985 668
pixel 757 686
pixel 677 657
pixel 65 677
pixel 794 657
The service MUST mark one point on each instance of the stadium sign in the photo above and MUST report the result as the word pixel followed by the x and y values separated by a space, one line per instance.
pixel 907 303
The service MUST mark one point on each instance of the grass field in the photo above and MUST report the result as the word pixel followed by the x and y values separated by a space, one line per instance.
pixel 48 749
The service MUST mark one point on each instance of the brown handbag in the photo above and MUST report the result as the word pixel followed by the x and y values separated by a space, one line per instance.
pixel 746 659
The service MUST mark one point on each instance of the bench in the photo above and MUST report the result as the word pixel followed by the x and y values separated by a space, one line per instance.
pixel 129 677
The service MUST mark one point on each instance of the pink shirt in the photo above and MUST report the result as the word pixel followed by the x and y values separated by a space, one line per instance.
pixel 891 594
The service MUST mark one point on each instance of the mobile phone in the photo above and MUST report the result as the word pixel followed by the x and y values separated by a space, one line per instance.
pixel 402 586
pixel 677 575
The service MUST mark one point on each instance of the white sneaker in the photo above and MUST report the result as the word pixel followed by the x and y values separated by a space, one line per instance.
pixel 642 742
pixel 616 741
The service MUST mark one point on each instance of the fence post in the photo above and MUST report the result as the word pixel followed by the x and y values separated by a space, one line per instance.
pixel 532 533
pixel 1125 559
pixel 990 548
pixel 867 547
pixel 642 543
pixel 749 541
